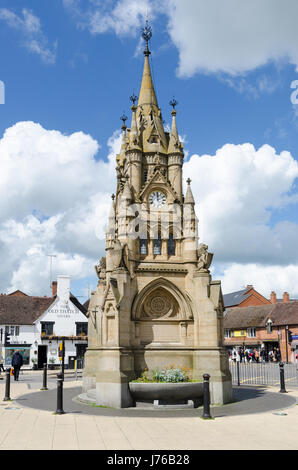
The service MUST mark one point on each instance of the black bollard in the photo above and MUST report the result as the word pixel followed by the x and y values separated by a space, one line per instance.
pixel 44 384
pixel 206 413
pixel 238 374
pixel 282 378
pixel 7 385
pixel 59 410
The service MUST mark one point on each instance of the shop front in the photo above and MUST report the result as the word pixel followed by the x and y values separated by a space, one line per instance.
pixel 24 351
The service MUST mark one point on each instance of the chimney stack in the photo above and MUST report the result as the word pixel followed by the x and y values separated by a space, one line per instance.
pixel 63 288
pixel 54 288
pixel 273 297
pixel 286 297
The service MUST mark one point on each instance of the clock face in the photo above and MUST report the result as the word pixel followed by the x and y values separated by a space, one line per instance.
pixel 157 199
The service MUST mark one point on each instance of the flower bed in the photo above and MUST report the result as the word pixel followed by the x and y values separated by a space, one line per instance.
pixel 169 384
pixel 169 374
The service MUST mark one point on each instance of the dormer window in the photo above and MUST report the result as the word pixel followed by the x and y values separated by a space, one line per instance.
pixel 269 326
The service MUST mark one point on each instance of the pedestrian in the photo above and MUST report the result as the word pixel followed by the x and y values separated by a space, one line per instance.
pixel 1 364
pixel 278 355
pixel 256 355
pixel 262 355
pixel 270 356
pixel 17 362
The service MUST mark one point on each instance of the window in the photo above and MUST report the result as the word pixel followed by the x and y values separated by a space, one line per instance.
pixel 145 175
pixel 171 245
pixel 251 332
pixel 13 330
pixel 143 246
pixel 82 329
pixel 227 333
pixel 157 246
pixel 47 328
pixel 9 352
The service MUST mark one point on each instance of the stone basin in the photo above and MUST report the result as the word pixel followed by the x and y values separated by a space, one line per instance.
pixel 150 391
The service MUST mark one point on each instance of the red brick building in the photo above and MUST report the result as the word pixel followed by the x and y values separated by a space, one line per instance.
pixel 269 325
pixel 244 298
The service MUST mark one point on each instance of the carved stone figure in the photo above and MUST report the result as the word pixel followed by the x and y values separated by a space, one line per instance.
pixel 205 258
pixel 100 268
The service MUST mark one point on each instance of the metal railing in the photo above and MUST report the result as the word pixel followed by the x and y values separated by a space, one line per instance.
pixel 258 373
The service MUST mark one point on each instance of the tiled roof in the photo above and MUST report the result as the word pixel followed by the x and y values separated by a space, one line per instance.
pixel 235 298
pixel 22 310
pixel 25 310
pixel 256 316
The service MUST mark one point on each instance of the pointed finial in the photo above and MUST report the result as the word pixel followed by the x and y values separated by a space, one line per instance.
pixel 188 181
pixel 123 119
pixel 133 98
pixel 147 35
pixel 113 197
pixel 173 103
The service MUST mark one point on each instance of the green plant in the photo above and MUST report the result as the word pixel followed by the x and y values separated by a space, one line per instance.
pixel 34 360
pixel 52 360
pixel 169 374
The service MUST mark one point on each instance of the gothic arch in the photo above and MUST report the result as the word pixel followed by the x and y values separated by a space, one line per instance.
pixel 161 300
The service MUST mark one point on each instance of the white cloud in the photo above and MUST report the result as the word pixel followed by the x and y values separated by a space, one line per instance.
pixel 34 39
pixel 264 278
pixel 54 197
pixel 123 17
pixel 214 36
pixel 237 192
pixel 231 36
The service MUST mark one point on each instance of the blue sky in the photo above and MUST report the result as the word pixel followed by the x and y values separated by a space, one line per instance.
pixel 70 66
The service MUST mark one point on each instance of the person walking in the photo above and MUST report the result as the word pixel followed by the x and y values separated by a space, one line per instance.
pixel 17 362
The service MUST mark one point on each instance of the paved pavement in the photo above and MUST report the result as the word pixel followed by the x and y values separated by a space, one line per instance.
pixel 260 419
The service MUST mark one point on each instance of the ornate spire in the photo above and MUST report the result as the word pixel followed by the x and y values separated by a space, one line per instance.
pixel 147 94
pixel 189 199
pixel 134 140
pixel 121 156
pixel 174 144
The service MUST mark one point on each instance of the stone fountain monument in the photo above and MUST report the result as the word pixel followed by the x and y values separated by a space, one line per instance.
pixel 155 303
